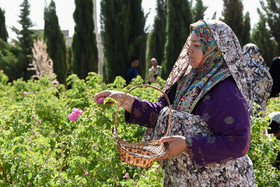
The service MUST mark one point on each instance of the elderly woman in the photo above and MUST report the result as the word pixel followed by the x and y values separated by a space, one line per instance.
pixel 209 89
pixel 261 78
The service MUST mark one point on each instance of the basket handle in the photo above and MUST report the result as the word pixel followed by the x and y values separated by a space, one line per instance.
pixel 156 88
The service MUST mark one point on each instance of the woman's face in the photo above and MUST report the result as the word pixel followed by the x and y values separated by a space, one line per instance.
pixel 194 50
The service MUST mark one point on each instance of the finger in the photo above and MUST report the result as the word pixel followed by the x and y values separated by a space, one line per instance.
pixel 101 94
pixel 166 139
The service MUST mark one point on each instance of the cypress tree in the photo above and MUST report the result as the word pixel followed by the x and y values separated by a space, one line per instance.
pixel 156 39
pixel 262 37
pixel 3 30
pixel 84 45
pixel 272 10
pixel 199 10
pixel 54 39
pixel 25 41
pixel 123 36
pixel 246 29
pixel 178 20
pixel 233 16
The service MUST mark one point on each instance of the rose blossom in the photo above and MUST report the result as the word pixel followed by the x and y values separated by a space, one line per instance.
pixel 126 175
pixel 76 110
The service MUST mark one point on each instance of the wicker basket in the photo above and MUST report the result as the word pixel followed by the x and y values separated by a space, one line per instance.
pixel 145 153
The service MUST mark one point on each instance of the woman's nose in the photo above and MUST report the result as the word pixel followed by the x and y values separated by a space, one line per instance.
pixel 189 49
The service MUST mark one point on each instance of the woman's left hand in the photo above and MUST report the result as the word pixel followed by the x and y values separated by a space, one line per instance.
pixel 177 145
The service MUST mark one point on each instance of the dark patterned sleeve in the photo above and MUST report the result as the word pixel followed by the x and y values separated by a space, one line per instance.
pixel 145 113
pixel 226 113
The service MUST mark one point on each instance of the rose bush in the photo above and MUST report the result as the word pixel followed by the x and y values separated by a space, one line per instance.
pixel 52 136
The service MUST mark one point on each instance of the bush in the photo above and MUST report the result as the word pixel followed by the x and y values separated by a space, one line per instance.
pixel 41 146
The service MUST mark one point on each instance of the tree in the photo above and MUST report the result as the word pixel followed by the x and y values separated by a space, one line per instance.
pixel 8 61
pixel 54 39
pixel 3 30
pixel 84 45
pixel 246 29
pixel 178 20
pixel 156 38
pixel 25 41
pixel 233 16
pixel 199 10
pixel 262 37
pixel 123 36
pixel 272 10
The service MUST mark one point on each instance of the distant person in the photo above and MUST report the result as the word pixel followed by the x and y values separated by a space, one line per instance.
pixel 153 72
pixel 132 72
pixel 275 74
pixel 275 130
pixel 260 77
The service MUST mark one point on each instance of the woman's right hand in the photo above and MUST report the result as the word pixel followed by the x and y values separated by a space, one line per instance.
pixel 100 97
pixel 125 100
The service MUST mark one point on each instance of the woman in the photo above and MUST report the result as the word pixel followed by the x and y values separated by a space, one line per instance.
pixel 261 78
pixel 274 70
pixel 210 131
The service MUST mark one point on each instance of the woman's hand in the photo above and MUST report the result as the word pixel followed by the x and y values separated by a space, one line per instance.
pixel 125 100
pixel 177 145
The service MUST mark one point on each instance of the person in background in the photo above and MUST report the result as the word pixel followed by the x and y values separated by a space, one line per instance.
pixel 132 72
pixel 261 78
pixel 275 130
pixel 153 72
pixel 210 91
pixel 274 71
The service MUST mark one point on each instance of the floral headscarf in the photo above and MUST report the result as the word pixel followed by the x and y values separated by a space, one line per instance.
pixel 192 87
pixel 261 78
pixel 231 51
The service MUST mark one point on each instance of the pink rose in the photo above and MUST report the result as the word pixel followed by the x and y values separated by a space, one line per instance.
pixel 86 173
pixel 74 116
pixel 2 71
pixel 29 183
pixel 126 175
pixel 76 110
pixel 25 92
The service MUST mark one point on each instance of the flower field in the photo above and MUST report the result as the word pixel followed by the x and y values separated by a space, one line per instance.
pixel 52 136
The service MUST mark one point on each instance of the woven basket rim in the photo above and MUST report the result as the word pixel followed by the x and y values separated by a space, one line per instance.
pixel 155 142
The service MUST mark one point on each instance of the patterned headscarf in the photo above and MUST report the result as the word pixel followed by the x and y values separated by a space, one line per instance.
pixel 221 35
pixel 261 78
pixel 192 87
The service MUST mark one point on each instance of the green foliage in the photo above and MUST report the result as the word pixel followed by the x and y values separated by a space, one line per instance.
pixel 264 148
pixel 272 10
pixel 3 30
pixel 156 39
pixel 8 61
pixel 40 146
pixel 54 39
pixel 199 10
pixel 123 36
pixel 25 41
pixel 84 45
pixel 179 18
pixel 262 37
pixel 233 16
